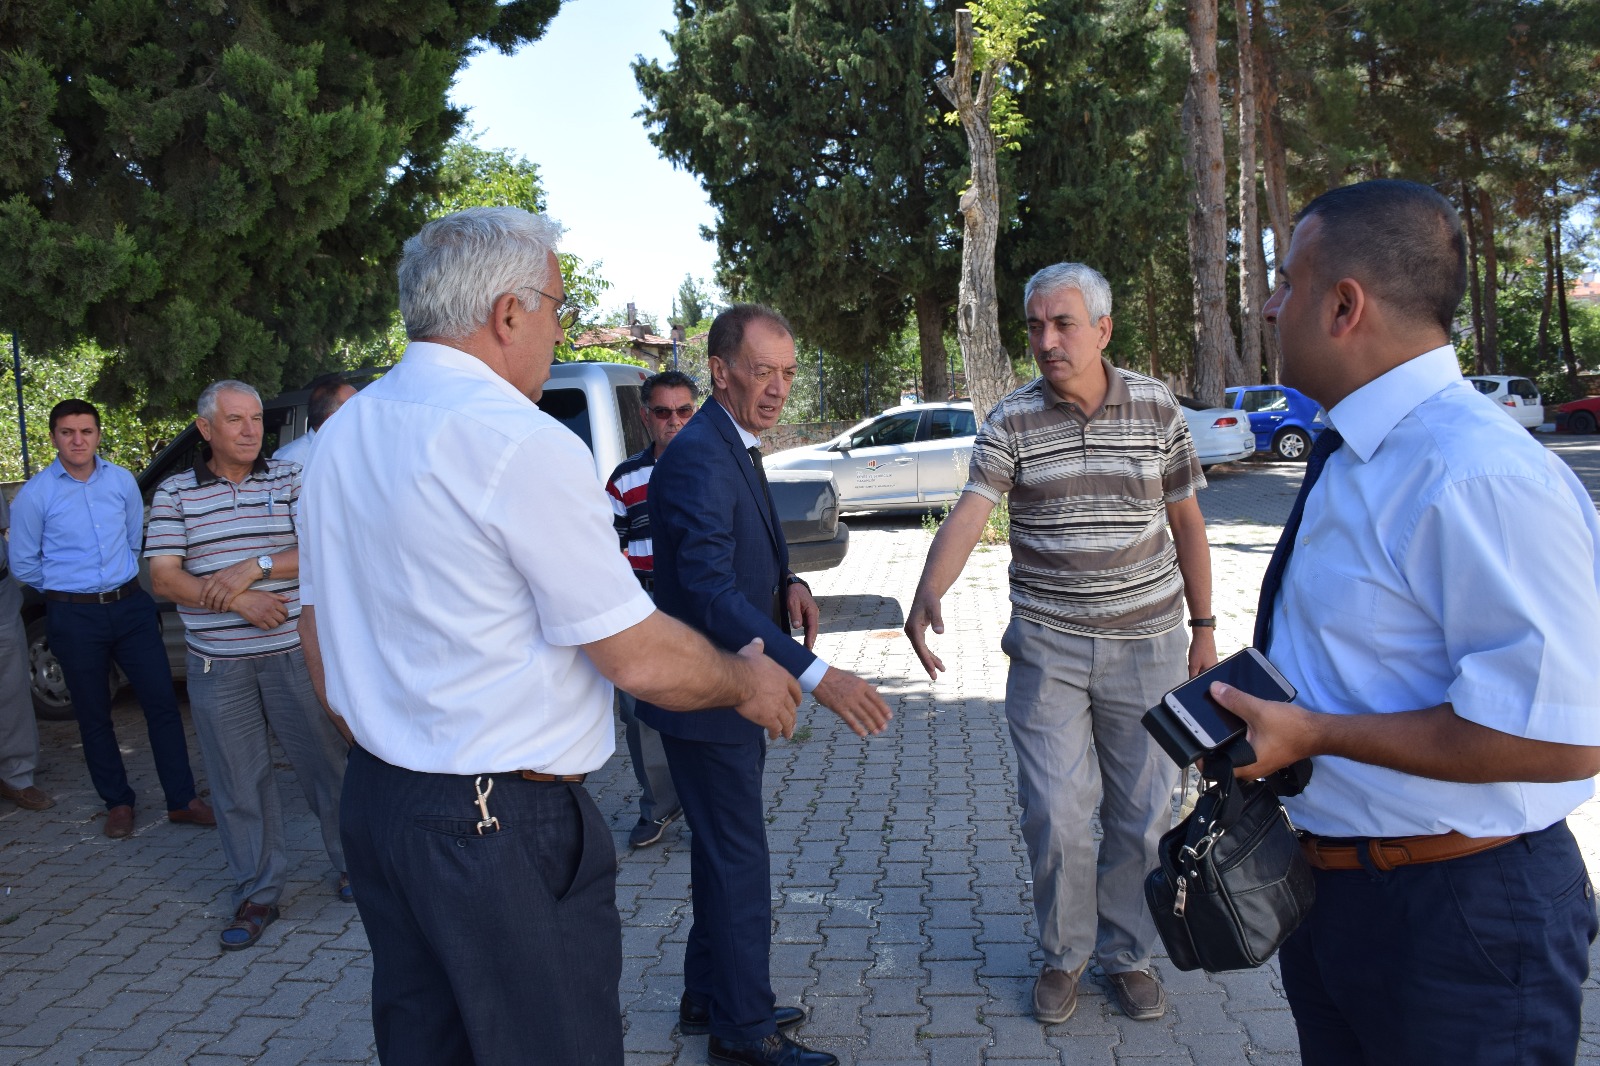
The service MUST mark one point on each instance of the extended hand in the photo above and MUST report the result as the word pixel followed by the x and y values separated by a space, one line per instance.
pixel 264 610
pixel 854 701
pixel 803 609
pixel 775 694
pixel 925 612
pixel 1280 733
pixel 218 590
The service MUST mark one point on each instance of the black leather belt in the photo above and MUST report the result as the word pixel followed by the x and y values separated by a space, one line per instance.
pixel 120 593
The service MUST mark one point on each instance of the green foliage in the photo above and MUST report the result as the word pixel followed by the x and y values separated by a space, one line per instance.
pixel 222 191
pixel 1003 28
pixel 694 304
pixel 996 529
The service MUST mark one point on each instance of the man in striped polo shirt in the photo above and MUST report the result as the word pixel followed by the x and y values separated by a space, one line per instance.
pixel 1107 542
pixel 668 404
pixel 222 544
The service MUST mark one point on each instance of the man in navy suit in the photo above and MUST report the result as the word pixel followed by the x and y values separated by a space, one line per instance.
pixel 722 566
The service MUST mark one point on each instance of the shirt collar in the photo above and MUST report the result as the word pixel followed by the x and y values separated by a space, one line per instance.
pixel 1117 392
pixel 1365 417
pixel 61 469
pixel 203 474
pixel 750 439
pixel 442 355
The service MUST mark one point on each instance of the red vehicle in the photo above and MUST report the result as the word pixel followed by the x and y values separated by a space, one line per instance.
pixel 1579 416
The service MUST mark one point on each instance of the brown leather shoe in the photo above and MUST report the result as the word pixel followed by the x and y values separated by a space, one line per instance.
pixel 197 813
pixel 1055 994
pixel 31 798
pixel 1139 994
pixel 119 822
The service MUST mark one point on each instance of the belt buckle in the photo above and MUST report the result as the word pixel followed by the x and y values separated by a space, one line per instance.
pixel 100 597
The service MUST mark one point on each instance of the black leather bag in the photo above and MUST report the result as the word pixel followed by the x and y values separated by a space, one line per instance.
pixel 1233 883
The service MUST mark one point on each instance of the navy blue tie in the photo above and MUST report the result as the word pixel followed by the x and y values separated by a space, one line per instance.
pixel 1326 445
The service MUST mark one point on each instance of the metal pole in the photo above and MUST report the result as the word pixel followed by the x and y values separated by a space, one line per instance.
pixel 22 415
pixel 822 393
pixel 866 388
pixel 674 353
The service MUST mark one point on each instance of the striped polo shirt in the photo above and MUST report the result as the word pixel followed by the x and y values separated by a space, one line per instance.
pixel 213 523
pixel 1090 550
pixel 629 490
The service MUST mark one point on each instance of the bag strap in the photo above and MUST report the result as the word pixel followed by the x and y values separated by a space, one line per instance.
pixel 1289 781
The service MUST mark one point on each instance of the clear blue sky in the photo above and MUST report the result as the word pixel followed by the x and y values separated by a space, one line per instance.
pixel 567 103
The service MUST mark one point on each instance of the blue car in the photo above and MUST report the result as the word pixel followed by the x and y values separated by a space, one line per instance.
pixel 1284 421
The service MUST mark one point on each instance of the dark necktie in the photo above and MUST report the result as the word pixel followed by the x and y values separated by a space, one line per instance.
pixel 761 476
pixel 780 613
pixel 1326 445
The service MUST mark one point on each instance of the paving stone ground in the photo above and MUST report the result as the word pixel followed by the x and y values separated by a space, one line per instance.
pixel 903 916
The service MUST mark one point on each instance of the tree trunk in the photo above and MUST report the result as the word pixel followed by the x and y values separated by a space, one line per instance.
pixel 989 375
pixel 930 338
pixel 1272 350
pixel 1216 359
pixel 1274 157
pixel 1567 354
pixel 1542 343
pixel 1252 270
pixel 1150 319
pixel 1491 285
pixel 1478 365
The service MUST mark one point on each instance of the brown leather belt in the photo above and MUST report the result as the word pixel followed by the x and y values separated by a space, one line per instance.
pixel 534 775
pixel 1334 854
pixel 95 597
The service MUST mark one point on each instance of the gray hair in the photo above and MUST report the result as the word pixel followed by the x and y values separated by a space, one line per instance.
pixel 455 268
pixel 1089 282
pixel 206 406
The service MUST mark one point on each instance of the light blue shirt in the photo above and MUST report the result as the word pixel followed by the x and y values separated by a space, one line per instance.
pixel 1421 575
pixel 298 450
pixel 809 680
pixel 77 536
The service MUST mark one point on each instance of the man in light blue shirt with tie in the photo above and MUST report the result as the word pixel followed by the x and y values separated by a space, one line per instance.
pixel 1447 700
pixel 76 531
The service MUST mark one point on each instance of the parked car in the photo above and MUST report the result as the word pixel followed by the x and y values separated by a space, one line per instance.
pixel 1285 421
pixel 1579 416
pixel 909 458
pixel 1517 397
pixel 597 401
pixel 1220 435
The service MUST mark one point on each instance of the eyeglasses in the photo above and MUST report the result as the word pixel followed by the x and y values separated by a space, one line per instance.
pixel 661 414
pixel 567 312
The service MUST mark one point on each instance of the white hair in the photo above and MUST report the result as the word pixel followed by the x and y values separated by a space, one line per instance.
pixel 455 268
pixel 1094 289
pixel 206 405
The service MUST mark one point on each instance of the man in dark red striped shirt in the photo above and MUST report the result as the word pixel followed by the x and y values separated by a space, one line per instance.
pixel 668 403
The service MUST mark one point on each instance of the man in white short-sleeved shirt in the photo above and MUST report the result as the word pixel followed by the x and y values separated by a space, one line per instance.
pixel 1447 699
pixel 463 591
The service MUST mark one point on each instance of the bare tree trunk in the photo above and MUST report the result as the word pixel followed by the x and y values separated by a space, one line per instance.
pixel 1150 319
pixel 1542 344
pixel 1274 158
pixel 1491 284
pixel 1252 270
pixel 1478 364
pixel 989 375
pixel 1216 358
pixel 1567 354
pixel 930 339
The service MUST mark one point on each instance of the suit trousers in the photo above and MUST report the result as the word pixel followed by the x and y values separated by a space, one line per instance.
pixel 19 734
pixel 727 961
pixel 86 638
pixel 496 949
pixel 233 702
pixel 1063 692
pixel 1476 961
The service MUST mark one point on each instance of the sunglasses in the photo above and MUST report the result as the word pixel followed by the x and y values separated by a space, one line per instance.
pixel 661 414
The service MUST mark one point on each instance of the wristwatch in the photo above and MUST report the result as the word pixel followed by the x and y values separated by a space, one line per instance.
pixel 265 562
pixel 1203 623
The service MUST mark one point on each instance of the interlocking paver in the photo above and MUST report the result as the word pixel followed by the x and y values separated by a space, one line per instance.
pixel 902 904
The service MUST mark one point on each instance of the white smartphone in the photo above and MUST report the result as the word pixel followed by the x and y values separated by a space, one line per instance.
pixel 1212 724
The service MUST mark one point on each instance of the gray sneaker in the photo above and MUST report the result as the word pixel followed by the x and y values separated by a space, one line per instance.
pixel 1055 994
pixel 1139 994
pixel 648 831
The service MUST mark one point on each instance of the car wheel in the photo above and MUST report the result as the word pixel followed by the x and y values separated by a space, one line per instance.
pixel 47 683
pixel 1291 444
pixel 1581 422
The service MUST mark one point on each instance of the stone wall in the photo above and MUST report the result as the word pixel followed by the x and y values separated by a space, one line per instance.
pixel 794 434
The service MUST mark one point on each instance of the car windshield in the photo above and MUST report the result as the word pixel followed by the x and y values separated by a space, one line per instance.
pixel 1486 387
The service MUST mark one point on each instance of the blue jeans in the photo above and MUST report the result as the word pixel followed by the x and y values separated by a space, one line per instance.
pixel 233 702
pixel 86 638
pixel 1476 960
pixel 495 948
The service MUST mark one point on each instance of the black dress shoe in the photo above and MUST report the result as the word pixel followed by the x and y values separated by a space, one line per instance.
pixel 774 1050
pixel 694 1019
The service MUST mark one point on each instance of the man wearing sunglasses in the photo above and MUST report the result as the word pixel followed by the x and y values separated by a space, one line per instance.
pixel 668 404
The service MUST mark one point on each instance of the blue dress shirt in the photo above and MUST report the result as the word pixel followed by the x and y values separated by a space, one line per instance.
pixel 77 536
pixel 1420 576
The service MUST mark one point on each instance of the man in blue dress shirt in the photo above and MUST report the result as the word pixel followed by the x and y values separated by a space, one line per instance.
pixel 1447 698
pixel 76 531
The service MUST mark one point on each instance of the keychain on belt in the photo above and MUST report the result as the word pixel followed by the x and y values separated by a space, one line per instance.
pixel 483 806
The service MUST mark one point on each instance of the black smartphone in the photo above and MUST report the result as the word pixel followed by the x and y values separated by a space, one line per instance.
pixel 1212 724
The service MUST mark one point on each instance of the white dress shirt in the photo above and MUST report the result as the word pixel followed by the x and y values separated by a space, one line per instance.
pixel 1422 574
pixel 298 450
pixel 458 550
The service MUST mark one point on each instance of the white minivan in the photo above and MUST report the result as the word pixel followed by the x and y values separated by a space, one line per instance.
pixel 1517 397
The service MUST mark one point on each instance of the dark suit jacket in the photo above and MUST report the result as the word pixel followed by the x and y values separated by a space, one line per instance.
pixel 720 559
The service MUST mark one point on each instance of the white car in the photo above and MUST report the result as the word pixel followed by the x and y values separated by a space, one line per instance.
pixel 909 458
pixel 1220 435
pixel 1517 397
